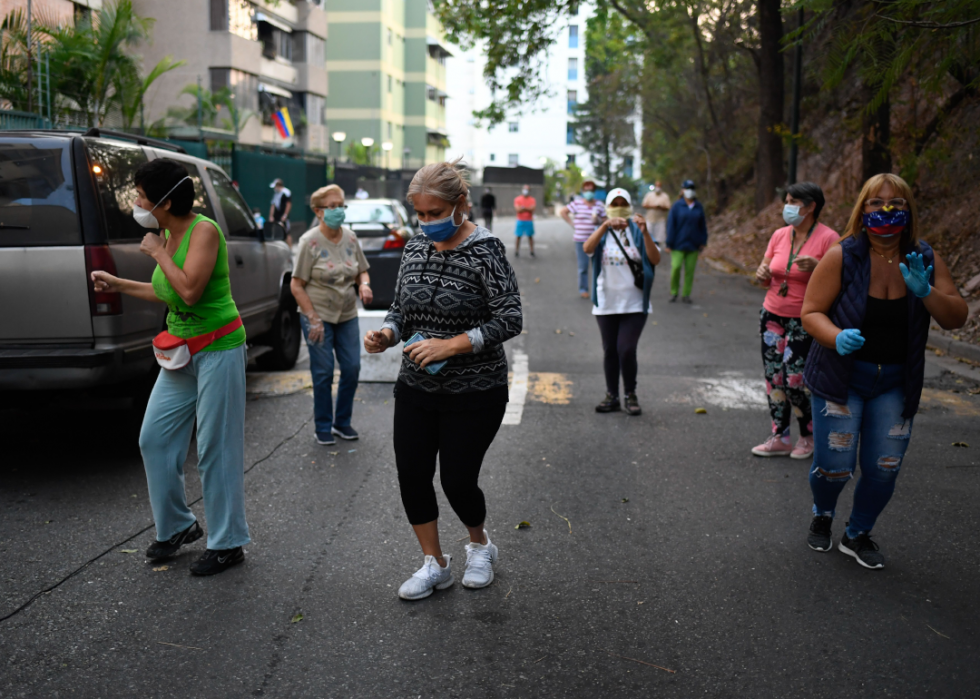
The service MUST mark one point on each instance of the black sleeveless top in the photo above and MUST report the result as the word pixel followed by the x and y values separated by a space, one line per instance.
pixel 886 332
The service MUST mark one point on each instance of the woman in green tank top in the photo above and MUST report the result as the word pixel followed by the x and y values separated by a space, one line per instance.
pixel 191 277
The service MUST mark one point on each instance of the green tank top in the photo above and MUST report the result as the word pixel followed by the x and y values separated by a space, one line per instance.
pixel 215 309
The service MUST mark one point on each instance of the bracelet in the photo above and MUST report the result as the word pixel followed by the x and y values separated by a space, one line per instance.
pixel 365 283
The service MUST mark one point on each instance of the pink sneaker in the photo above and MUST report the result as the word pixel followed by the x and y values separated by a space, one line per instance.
pixel 803 448
pixel 774 446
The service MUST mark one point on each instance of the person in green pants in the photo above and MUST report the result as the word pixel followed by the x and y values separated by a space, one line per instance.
pixel 687 234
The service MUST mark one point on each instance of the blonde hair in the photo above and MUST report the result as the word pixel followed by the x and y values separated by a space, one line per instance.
pixel 444 180
pixel 855 226
pixel 316 199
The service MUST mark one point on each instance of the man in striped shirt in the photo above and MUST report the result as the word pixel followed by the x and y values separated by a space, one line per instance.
pixel 584 215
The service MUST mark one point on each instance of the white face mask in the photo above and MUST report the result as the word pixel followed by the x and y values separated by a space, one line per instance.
pixel 525 192
pixel 690 194
pixel 146 218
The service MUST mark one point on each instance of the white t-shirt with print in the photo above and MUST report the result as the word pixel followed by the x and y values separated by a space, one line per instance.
pixel 615 289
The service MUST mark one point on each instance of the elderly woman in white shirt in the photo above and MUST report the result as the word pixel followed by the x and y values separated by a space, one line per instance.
pixel 621 281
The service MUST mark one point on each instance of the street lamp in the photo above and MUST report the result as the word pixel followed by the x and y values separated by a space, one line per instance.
pixel 339 137
pixel 386 146
pixel 367 142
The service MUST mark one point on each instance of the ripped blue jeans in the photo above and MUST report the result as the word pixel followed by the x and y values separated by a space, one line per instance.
pixel 871 423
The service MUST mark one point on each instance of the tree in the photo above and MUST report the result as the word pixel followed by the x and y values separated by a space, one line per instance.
pixel 93 65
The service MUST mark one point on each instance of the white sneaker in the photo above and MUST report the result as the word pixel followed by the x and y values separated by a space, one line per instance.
pixel 429 576
pixel 479 564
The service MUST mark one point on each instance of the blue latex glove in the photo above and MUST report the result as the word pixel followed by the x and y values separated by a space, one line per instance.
pixel 848 341
pixel 916 276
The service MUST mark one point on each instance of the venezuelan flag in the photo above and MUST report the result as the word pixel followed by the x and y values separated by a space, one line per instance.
pixel 284 124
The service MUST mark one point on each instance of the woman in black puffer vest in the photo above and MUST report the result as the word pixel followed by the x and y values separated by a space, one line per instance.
pixel 868 307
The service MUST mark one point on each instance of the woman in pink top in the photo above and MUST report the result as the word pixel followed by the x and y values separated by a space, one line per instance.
pixel 790 259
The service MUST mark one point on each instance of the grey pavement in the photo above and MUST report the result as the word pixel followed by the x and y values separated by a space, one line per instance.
pixel 662 559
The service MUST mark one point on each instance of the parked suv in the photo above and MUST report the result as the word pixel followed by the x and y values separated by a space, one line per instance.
pixel 66 203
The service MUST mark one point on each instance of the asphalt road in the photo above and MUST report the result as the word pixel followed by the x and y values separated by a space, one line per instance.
pixel 662 559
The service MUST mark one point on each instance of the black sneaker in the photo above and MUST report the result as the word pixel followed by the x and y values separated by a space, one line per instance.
pixel 673 299
pixel 609 404
pixel 632 404
pixel 217 561
pixel 325 440
pixel 820 537
pixel 348 433
pixel 159 550
pixel 686 299
pixel 864 550
pixel 532 253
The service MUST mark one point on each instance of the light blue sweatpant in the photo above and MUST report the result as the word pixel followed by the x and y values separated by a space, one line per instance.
pixel 212 389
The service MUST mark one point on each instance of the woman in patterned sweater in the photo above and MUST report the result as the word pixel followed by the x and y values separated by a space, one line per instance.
pixel 456 290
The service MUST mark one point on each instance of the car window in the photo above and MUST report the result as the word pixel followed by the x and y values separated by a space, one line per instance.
pixel 369 212
pixel 114 165
pixel 202 202
pixel 238 218
pixel 37 193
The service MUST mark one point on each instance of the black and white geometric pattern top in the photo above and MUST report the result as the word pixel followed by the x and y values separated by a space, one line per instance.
pixel 470 289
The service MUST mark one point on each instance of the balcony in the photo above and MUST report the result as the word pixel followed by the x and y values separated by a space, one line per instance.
pixel 279 70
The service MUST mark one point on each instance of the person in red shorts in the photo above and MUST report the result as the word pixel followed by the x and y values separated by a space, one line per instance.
pixel 524 205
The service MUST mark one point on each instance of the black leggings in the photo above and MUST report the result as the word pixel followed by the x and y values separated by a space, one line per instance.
pixel 620 335
pixel 461 438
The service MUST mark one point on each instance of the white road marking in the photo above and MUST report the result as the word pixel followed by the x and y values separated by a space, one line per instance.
pixel 733 393
pixel 518 390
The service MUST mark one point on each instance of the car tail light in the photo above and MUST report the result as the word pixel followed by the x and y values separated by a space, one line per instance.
pixel 103 303
pixel 394 242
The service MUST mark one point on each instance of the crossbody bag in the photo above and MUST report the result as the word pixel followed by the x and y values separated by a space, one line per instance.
pixel 174 352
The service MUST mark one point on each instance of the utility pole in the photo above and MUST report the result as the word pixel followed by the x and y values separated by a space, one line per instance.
pixel 200 115
pixel 797 89
pixel 30 75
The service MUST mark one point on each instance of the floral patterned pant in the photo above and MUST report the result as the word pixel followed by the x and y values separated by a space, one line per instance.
pixel 785 345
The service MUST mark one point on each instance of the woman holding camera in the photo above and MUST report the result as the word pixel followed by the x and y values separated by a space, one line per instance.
pixel 790 259
pixel 621 283
pixel 457 298
pixel 869 306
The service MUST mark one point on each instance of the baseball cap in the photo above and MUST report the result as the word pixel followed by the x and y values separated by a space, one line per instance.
pixel 618 192
pixel 688 184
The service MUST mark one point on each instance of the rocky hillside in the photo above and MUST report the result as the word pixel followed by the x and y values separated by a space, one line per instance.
pixel 947 189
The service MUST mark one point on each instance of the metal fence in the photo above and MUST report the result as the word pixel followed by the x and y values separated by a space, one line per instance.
pixel 22 120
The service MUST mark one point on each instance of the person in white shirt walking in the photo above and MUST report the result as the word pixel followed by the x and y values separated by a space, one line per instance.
pixel 656 205
pixel 622 277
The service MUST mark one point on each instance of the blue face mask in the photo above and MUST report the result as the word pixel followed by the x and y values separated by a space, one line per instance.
pixel 333 218
pixel 441 230
pixel 886 224
pixel 791 214
pixel 588 195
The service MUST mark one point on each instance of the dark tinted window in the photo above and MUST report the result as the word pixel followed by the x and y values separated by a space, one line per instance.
pixel 202 202
pixel 114 165
pixel 37 193
pixel 238 218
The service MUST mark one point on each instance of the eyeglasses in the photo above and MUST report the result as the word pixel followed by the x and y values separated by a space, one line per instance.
pixel 881 203
pixel 335 206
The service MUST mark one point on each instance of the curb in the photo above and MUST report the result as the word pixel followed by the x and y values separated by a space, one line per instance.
pixel 954 348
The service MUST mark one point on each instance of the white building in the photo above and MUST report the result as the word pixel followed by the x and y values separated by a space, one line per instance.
pixel 543 131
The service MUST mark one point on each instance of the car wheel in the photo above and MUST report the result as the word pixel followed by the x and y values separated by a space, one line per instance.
pixel 284 338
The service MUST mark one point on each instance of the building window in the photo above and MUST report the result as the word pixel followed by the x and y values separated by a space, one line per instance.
pixel 512 159
pixel 628 166
pixel 275 42
pixel 244 86
pixel 389 37
pixel 573 8
pixel 389 130
pixel 308 48
pixel 233 16
pixel 570 160
pixel 512 127
pixel 573 69
pixel 573 37
pixel 570 134
pixel 389 83
pixel 572 101
pixel 430 93
pixel 316 112
pixel 493 157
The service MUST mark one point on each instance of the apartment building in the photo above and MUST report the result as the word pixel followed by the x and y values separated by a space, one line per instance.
pixel 271 54
pixel 542 131
pixel 61 12
pixel 387 74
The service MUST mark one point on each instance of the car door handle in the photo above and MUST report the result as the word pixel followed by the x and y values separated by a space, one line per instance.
pixel 239 262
